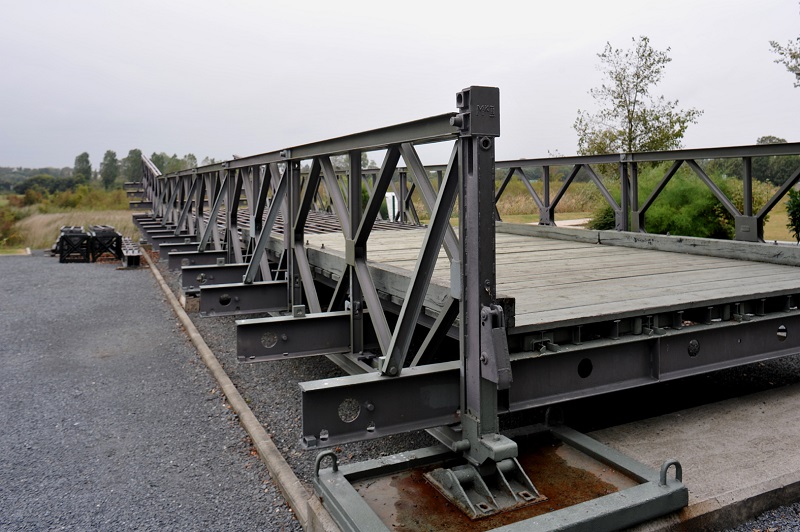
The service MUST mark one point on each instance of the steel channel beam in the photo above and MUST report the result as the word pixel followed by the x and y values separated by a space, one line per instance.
pixel 159 230
pixel 181 247
pixel 426 130
pixel 193 277
pixel 758 150
pixel 178 259
pixel 239 298
pixel 282 337
pixel 400 404
pixel 420 397
pixel 163 239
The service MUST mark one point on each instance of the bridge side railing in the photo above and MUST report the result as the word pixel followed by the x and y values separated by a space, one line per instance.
pixel 630 211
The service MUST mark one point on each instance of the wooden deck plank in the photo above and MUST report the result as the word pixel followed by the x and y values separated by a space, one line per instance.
pixel 545 318
pixel 565 281
pixel 606 273
pixel 729 280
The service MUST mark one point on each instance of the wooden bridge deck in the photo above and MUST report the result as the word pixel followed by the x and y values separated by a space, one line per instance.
pixel 561 283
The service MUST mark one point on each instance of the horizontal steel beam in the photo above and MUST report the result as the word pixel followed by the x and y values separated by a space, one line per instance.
pixel 239 298
pixel 178 259
pixel 282 337
pixel 361 407
pixel 165 240
pixel 755 150
pixel 193 277
pixel 432 129
pixel 181 247
pixel 428 396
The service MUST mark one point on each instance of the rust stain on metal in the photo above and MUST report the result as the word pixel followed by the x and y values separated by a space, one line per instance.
pixel 407 502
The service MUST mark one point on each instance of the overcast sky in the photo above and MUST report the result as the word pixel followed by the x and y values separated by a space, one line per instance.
pixel 216 78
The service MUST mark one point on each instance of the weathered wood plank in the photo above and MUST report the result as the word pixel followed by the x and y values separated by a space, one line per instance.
pixel 728 281
pixel 576 276
pixel 546 319
pixel 581 273
pixel 753 251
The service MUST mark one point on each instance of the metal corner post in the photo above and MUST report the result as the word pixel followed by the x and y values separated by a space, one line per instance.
pixel 479 121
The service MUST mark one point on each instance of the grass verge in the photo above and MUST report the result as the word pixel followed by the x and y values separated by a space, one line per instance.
pixel 40 231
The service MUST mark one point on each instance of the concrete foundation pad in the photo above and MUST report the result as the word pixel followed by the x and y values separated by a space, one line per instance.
pixel 740 457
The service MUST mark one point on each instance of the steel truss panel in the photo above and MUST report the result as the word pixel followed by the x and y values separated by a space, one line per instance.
pixel 424 396
pixel 238 298
pixel 193 277
pixel 657 492
pixel 282 337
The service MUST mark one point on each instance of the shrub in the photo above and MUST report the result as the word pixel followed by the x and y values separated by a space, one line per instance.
pixel 8 231
pixel 603 219
pixel 686 206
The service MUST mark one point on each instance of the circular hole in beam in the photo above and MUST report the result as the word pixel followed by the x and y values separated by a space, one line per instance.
pixel 585 368
pixel 349 410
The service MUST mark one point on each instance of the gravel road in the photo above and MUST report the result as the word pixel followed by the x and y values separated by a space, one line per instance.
pixel 110 421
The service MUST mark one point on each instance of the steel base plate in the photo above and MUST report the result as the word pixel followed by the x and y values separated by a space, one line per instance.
pixel 587 486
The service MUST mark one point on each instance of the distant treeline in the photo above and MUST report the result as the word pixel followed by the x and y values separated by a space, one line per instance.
pixel 111 172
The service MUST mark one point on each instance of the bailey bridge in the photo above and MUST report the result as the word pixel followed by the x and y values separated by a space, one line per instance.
pixel 447 326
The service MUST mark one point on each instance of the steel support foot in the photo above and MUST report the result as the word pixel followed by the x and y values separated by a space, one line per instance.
pixel 506 488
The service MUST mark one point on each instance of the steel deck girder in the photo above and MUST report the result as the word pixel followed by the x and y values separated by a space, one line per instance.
pixel 324 333
pixel 428 396
pixel 178 259
pixel 193 277
pixel 238 298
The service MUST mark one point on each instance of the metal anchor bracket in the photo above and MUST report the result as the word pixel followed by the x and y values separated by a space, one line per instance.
pixel 495 359
pixel 507 488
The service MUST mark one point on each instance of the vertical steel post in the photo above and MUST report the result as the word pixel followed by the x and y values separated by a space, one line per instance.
pixel 293 234
pixel 748 186
pixel 637 224
pixel 356 297
pixel 546 217
pixel 402 198
pixel 624 186
pixel 479 121
pixel 749 228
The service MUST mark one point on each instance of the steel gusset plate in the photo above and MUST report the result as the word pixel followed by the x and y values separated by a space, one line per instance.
pixel 239 298
pixel 282 337
pixel 193 277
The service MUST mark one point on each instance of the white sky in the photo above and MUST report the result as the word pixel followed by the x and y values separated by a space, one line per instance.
pixel 216 78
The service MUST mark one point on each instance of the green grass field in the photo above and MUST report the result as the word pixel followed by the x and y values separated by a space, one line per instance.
pixel 39 231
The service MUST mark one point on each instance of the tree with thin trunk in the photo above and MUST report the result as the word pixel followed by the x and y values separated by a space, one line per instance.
pixel 631 118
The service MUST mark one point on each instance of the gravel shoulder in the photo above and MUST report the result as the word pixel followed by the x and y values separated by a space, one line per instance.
pixel 110 420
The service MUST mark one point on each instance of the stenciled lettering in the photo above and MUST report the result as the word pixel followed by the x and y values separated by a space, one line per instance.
pixel 486 110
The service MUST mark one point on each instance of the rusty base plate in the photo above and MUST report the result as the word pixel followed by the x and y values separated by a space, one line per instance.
pixel 569 470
